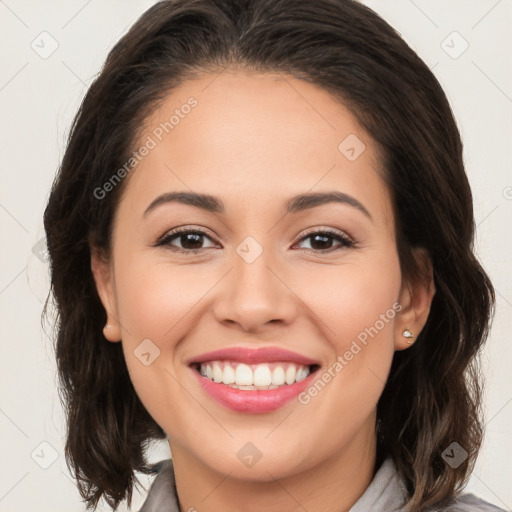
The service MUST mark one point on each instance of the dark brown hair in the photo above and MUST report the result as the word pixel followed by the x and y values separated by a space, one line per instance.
pixel 433 394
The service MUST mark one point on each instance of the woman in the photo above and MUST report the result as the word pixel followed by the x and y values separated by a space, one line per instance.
pixel 220 138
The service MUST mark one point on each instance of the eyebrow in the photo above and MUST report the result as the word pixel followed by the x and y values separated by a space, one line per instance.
pixel 295 204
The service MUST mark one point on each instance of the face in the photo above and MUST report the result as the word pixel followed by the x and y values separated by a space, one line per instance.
pixel 319 278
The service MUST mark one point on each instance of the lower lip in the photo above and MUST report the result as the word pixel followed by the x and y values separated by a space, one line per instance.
pixel 253 401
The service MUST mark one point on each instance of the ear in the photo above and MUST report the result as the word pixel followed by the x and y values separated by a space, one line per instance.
pixel 103 277
pixel 416 299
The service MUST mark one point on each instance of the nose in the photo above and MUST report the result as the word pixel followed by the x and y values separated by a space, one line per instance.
pixel 255 296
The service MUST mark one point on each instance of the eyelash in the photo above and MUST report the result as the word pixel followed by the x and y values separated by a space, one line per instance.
pixel 345 241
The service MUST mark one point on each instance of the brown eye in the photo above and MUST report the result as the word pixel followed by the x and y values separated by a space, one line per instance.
pixel 322 241
pixel 190 240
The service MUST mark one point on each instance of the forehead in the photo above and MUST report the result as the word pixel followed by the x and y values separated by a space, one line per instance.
pixel 247 136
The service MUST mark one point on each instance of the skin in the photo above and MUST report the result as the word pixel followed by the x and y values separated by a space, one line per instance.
pixel 255 140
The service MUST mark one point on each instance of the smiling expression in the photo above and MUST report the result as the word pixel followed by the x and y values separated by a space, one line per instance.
pixel 290 245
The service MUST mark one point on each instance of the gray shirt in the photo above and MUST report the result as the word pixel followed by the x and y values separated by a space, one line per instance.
pixel 386 493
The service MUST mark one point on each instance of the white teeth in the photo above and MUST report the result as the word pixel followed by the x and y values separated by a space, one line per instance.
pixel 262 375
pixel 243 375
pixel 229 375
pixel 256 376
pixel 278 377
pixel 301 374
pixel 217 373
pixel 290 375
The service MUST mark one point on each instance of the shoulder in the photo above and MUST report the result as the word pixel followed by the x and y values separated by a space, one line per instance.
pixel 387 492
pixel 162 493
pixel 470 502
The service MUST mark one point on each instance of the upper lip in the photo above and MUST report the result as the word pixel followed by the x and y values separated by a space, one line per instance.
pixel 253 356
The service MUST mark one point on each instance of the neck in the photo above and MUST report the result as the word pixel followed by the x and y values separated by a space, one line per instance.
pixel 334 485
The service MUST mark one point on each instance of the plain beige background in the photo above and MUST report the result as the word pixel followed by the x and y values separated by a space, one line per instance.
pixel 49 54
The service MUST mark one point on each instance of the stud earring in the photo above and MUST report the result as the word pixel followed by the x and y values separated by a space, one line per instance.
pixel 407 334
pixel 111 332
pixel 106 330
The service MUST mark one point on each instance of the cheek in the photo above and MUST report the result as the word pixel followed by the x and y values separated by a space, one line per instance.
pixel 155 298
pixel 156 306
pixel 353 301
pixel 358 308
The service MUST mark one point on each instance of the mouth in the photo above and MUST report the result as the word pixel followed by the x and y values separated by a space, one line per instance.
pixel 249 380
pixel 254 377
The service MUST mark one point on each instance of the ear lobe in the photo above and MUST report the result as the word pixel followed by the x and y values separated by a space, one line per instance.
pixel 103 278
pixel 416 299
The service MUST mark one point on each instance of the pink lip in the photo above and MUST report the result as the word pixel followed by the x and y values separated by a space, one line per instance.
pixel 253 356
pixel 253 401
